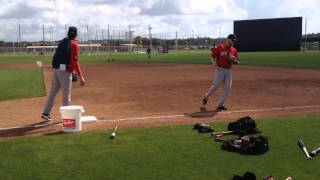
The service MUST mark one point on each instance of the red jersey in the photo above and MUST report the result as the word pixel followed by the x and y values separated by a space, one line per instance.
pixel 74 58
pixel 222 54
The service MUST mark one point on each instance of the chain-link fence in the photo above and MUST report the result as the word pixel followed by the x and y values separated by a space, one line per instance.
pixel 39 39
pixel 313 46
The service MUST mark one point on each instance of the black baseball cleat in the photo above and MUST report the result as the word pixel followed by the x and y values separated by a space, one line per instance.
pixel 222 108
pixel 46 117
pixel 204 101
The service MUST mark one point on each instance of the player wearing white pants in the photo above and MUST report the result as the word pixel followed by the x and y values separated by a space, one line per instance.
pixel 222 56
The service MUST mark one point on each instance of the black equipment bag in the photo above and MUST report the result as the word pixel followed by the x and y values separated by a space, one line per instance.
pixel 254 145
pixel 246 176
pixel 243 126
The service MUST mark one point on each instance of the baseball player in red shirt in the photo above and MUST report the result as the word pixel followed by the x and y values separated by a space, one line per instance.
pixel 65 61
pixel 222 57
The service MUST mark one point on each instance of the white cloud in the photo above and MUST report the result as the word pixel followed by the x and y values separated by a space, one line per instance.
pixel 189 17
pixel 309 9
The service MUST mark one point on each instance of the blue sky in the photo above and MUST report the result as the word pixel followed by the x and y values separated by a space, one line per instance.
pixel 190 18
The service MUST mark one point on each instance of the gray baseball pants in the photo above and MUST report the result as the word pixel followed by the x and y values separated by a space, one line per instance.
pixel 221 75
pixel 61 80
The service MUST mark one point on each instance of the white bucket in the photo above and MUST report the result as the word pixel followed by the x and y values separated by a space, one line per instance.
pixel 71 118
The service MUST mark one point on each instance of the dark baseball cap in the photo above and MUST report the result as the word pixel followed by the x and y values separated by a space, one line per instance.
pixel 72 32
pixel 232 37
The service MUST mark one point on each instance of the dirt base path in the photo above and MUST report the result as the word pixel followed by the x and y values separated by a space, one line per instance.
pixel 139 95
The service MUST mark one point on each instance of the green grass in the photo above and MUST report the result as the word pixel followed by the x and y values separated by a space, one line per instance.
pixel 167 152
pixel 24 58
pixel 308 60
pixel 21 83
pixel 195 57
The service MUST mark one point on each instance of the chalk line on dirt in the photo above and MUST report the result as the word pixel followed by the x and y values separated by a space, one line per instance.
pixel 169 116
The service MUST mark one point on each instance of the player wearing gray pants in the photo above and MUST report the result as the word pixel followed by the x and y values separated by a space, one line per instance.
pixel 61 80
pixel 222 56
pixel 65 61
pixel 221 75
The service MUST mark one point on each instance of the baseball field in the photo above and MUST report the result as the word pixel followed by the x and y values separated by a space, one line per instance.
pixel 308 60
pixel 155 106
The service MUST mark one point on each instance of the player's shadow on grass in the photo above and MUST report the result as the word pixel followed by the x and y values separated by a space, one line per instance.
pixel 36 128
pixel 203 113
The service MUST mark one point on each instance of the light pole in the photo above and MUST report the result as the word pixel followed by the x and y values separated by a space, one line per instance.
pixel 220 34
pixel 305 36
pixel 140 45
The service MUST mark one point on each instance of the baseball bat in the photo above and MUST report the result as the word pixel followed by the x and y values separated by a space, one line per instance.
pixel 113 134
pixel 221 133
pixel 315 152
pixel 303 147
pixel 115 129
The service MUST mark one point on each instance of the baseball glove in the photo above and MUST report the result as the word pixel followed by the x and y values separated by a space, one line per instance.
pixel 74 77
pixel 203 128
pixel 233 59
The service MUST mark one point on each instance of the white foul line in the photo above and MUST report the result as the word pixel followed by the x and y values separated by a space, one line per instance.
pixel 271 109
pixel 170 116
pixel 221 112
pixel 142 118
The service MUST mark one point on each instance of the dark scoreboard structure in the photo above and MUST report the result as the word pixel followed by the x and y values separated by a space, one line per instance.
pixel 279 34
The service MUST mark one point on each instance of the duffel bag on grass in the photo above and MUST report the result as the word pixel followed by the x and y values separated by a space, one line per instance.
pixel 243 126
pixel 247 145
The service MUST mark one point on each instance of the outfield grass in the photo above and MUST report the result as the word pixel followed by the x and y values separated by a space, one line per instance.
pixel 24 58
pixel 21 83
pixel 167 152
pixel 308 60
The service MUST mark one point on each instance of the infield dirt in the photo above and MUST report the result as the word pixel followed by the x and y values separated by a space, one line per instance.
pixel 132 90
